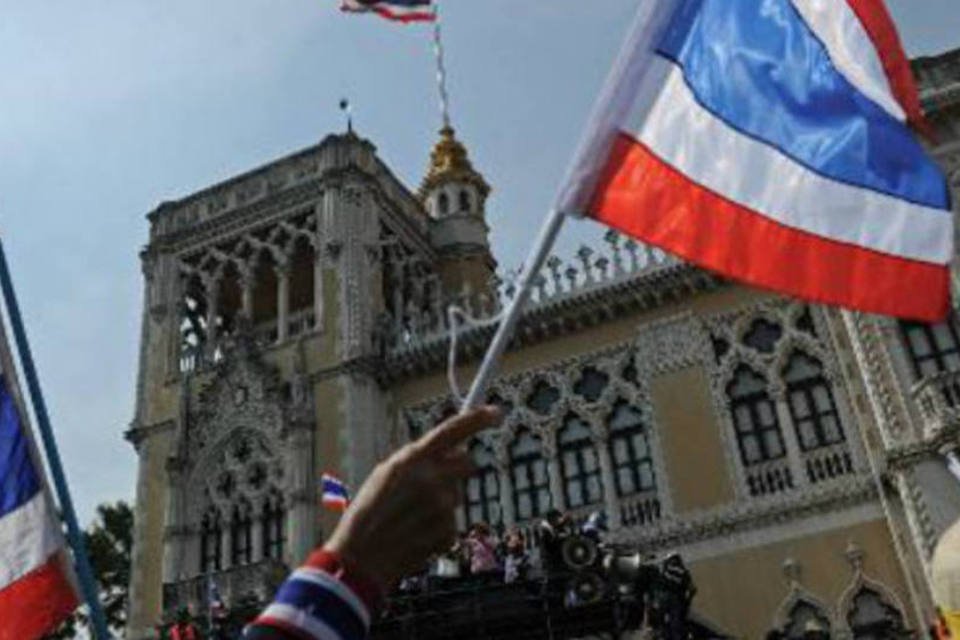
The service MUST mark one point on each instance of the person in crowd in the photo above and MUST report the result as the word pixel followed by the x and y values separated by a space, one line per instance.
pixel 595 526
pixel 183 628
pixel 483 550
pixel 516 559
pixel 403 513
pixel 553 530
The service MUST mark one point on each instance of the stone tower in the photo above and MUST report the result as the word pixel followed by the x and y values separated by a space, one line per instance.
pixel 266 302
pixel 455 196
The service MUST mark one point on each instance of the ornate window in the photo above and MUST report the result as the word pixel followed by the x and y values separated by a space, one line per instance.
pixel 443 204
pixel 211 541
pixel 805 618
pixel 871 618
pixel 754 418
pixel 482 503
pixel 934 348
pixel 763 336
pixel 579 465
pixel 591 384
pixel 465 204
pixel 274 531
pixel 241 527
pixel 528 470
pixel 543 398
pixel 811 402
pixel 630 451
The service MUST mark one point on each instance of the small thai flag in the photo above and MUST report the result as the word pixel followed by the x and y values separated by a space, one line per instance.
pixel 396 10
pixel 214 599
pixel 335 495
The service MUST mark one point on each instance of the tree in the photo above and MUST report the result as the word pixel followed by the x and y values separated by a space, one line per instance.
pixel 109 542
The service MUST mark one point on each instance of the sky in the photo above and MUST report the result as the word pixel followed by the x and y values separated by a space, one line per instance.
pixel 108 107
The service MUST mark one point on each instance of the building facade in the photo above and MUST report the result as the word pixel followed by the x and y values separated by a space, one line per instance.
pixel 295 321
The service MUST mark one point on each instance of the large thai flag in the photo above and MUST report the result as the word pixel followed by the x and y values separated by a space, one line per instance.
pixel 36 583
pixel 397 10
pixel 769 140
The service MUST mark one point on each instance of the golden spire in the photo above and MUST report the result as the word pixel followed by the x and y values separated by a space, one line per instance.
pixel 449 162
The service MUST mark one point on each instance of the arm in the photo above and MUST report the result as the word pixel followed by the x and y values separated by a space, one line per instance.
pixel 402 514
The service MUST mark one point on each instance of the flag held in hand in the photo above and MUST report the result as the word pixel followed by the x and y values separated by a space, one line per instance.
pixel 770 141
pixel 334 493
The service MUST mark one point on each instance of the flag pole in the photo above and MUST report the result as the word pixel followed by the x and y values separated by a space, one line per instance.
pixel 534 263
pixel 88 584
pixel 441 66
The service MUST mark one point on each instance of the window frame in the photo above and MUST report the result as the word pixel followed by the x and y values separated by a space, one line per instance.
pixel 937 355
pixel 580 477
pixel 634 461
pixel 485 503
pixel 527 461
pixel 751 402
pixel 806 388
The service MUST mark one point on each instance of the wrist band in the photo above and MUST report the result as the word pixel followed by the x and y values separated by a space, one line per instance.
pixel 366 588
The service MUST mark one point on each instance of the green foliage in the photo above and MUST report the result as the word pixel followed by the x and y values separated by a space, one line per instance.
pixel 109 542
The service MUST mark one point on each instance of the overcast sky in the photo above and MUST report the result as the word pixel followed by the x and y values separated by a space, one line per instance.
pixel 108 107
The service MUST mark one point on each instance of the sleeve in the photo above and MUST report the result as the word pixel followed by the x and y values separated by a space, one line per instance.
pixel 322 600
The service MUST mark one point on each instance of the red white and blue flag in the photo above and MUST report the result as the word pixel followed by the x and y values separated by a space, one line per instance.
pixel 334 493
pixel 397 10
pixel 770 141
pixel 37 589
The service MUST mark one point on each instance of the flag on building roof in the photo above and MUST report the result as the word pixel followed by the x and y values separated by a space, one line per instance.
pixel 37 589
pixel 334 493
pixel 770 141
pixel 397 10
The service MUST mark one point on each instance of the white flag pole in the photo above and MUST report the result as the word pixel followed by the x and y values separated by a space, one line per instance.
pixel 534 263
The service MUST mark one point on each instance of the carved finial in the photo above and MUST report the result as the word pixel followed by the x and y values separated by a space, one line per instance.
pixel 613 238
pixel 540 283
pixel 602 263
pixel 584 253
pixel 553 264
pixel 854 556
pixel 571 274
pixel 631 246
pixel 791 571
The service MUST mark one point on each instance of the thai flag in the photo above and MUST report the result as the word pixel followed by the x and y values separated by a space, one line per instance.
pixel 214 599
pixel 37 589
pixel 334 493
pixel 397 10
pixel 769 140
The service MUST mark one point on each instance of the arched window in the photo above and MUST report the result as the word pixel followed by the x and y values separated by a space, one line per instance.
pixel 240 531
pixel 272 522
pixel 755 418
pixel 630 451
pixel 804 619
pixel 211 543
pixel 934 348
pixel 465 203
pixel 528 469
pixel 871 618
pixel 812 406
pixel 443 204
pixel 578 464
pixel 482 501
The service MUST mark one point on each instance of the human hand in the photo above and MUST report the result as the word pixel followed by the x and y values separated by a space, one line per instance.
pixel 405 510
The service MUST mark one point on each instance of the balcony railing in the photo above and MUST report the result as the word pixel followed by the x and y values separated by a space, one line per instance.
pixel 768 478
pixel 259 581
pixel 827 463
pixel 640 510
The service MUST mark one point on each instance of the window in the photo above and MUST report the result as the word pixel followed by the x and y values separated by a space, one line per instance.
pixel 210 542
pixel 763 336
pixel 465 204
pixel 273 527
pixel 811 402
pixel 630 451
pixel 591 384
pixel 805 618
pixel 871 618
pixel 578 464
pixel 443 204
pixel 543 397
pixel 240 530
pixel 934 348
pixel 482 492
pixel 754 418
pixel 528 470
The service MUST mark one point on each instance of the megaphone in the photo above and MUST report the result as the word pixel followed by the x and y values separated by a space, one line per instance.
pixel 579 552
pixel 585 588
pixel 624 569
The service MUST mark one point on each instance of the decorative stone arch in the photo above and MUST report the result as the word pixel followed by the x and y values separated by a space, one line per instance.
pixel 861 582
pixel 797 596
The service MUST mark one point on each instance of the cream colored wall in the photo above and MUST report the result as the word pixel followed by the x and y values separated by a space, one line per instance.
pixel 741 592
pixel 690 436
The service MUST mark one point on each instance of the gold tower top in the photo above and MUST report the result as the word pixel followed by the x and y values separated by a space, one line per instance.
pixel 449 162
